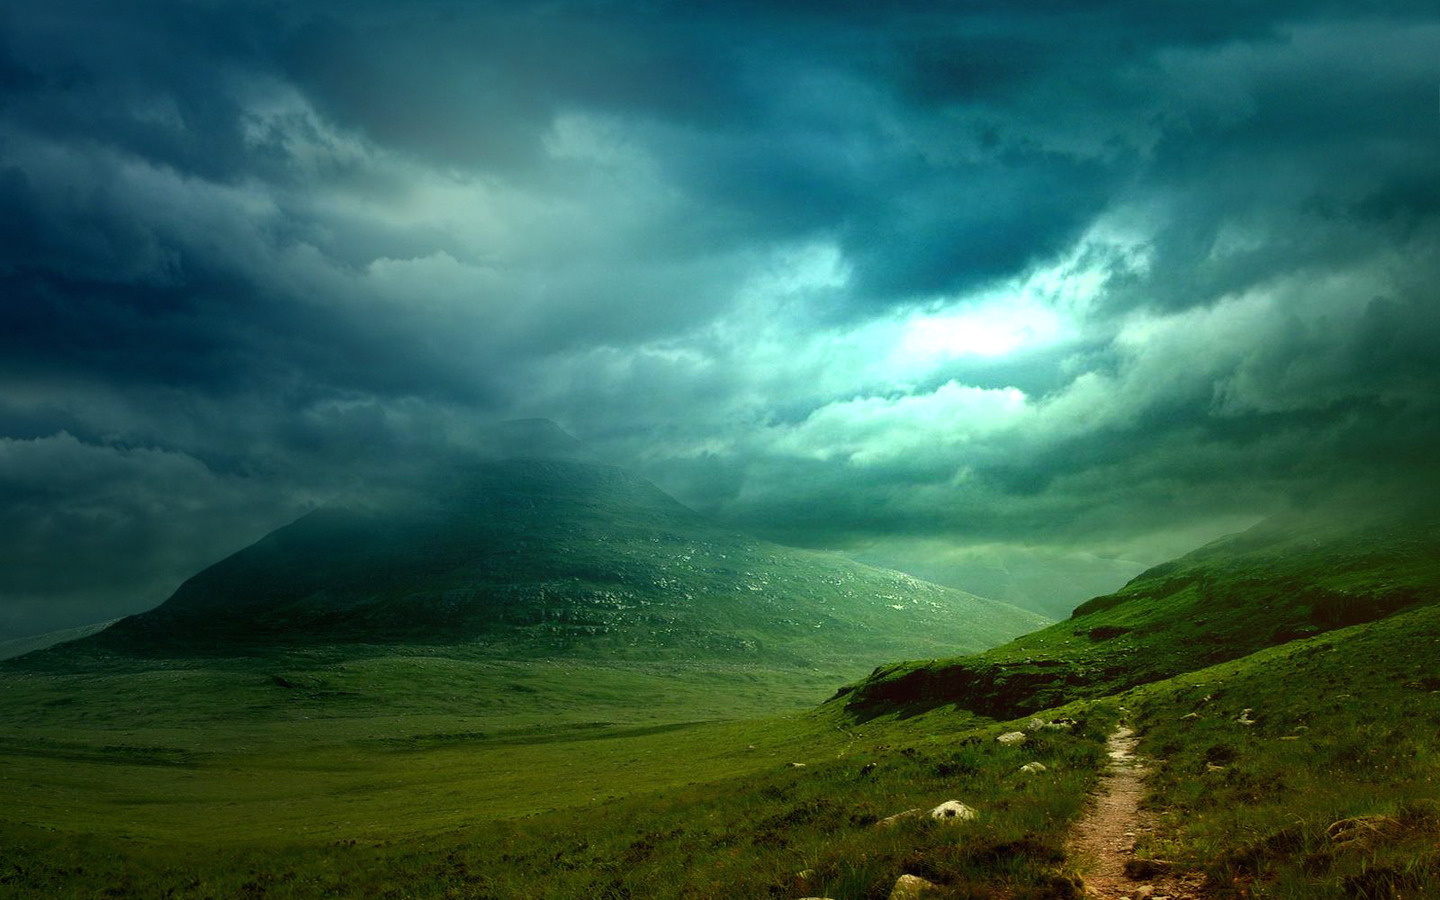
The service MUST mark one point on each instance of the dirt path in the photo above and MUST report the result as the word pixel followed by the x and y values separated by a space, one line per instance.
pixel 1104 840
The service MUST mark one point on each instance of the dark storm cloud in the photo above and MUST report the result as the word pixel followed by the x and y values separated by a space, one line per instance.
pixel 844 273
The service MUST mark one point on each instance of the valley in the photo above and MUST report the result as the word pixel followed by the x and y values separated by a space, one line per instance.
pixel 397 771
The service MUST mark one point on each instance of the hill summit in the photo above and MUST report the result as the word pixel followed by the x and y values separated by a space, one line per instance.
pixel 547 554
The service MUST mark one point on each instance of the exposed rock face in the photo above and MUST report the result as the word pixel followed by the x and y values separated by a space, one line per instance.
pixel 952 811
pixel 1012 738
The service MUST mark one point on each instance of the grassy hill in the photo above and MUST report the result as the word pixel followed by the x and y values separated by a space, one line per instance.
pixel 509 594
pixel 547 558
pixel 1287 578
pixel 1305 771
pixel 1302 769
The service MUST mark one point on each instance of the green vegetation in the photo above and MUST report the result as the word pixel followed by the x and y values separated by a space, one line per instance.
pixel 313 807
pixel 529 560
pixel 1332 792
pixel 1302 764
pixel 1284 579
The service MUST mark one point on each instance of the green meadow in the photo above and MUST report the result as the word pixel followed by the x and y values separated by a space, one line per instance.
pixel 1293 743
pixel 288 794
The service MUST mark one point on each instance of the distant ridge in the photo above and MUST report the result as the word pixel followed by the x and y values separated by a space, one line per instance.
pixel 9 649
pixel 535 554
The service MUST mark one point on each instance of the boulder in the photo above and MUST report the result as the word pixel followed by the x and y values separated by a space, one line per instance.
pixel 797 765
pixel 911 887
pixel 952 811
pixel 1034 725
pixel 1010 738
pixel 1032 768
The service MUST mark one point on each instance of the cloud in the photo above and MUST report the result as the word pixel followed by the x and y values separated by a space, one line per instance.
pixel 1047 278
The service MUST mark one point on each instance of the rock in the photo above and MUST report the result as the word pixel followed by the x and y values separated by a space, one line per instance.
pixel 952 811
pixel 892 821
pixel 911 887
pixel 1245 718
pixel 1193 715
pixel 1032 768
pixel 1146 869
pixel 867 768
pixel 797 765
pixel 1012 738
pixel 1211 767
pixel 1034 725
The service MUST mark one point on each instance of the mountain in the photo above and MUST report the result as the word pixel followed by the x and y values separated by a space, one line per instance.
pixel 1050 583
pixel 14 647
pixel 1286 578
pixel 541 558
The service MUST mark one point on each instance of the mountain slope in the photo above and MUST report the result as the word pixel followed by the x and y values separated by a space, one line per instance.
pixel 1289 577
pixel 535 559
pixel 1305 771
pixel 21 646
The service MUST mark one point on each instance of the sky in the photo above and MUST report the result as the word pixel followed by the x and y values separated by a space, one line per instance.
pixel 1059 287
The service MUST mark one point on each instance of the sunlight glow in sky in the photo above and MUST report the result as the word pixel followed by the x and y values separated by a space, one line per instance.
pixel 935 276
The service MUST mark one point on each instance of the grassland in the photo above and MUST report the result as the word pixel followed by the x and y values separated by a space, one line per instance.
pixel 1332 792
pixel 1301 764
pixel 1285 579
pixel 281 805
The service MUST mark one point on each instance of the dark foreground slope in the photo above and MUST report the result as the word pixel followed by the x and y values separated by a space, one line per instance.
pixel 1286 578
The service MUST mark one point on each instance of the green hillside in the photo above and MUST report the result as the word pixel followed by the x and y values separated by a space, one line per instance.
pixel 518 590
pixel 1304 770
pixel 1287 578
pixel 1307 771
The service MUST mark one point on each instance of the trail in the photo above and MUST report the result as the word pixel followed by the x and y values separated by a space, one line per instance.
pixel 1104 840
